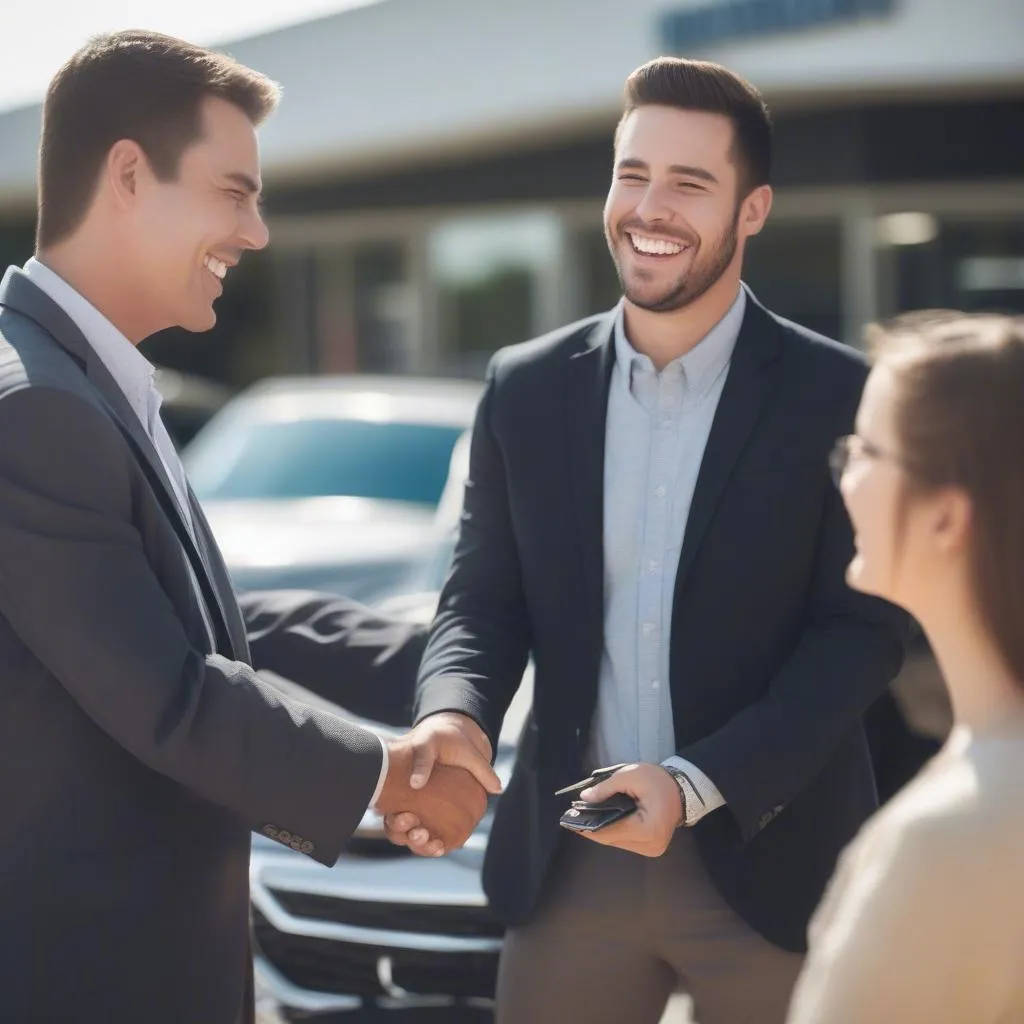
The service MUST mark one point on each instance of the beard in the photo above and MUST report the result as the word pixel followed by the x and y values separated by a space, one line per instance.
pixel 704 272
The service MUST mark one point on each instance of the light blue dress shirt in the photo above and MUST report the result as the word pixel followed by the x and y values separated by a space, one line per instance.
pixel 656 431
pixel 133 374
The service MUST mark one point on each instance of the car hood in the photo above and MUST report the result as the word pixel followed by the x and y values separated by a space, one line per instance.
pixel 318 531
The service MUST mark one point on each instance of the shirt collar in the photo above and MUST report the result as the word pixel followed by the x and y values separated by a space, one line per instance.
pixel 131 370
pixel 703 364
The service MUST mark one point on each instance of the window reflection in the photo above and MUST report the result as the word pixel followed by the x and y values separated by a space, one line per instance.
pixel 489 272
pixel 977 266
pixel 794 268
pixel 599 281
pixel 382 300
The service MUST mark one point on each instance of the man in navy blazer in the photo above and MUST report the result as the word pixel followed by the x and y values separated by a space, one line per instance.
pixel 649 514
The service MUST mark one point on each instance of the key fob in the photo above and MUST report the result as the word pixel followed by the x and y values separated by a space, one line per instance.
pixel 584 817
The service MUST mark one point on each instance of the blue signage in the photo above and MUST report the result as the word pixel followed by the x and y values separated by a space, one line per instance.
pixel 682 31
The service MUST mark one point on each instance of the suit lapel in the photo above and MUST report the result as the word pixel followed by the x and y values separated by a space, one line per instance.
pixel 750 382
pixel 218 573
pixel 20 294
pixel 589 377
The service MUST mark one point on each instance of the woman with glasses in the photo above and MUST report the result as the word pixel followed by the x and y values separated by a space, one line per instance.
pixel 924 920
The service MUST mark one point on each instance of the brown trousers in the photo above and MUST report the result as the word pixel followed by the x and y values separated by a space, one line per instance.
pixel 617 934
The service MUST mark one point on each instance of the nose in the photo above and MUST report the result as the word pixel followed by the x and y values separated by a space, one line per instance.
pixel 254 233
pixel 654 206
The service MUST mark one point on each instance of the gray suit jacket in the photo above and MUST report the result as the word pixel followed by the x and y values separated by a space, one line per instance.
pixel 134 761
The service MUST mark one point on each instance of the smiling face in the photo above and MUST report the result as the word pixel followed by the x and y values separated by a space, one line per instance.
pixel 674 220
pixel 911 538
pixel 872 485
pixel 186 233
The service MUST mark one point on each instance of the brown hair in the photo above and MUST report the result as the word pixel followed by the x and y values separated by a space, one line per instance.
pixel 959 418
pixel 130 85
pixel 713 89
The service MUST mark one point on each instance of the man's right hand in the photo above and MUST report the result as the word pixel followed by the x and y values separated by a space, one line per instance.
pixel 447 751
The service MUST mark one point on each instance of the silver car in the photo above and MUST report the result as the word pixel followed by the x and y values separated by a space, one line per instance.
pixel 330 484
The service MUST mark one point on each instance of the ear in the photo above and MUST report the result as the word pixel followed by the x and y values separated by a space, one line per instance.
pixel 951 520
pixel 754 210
pixel 126 165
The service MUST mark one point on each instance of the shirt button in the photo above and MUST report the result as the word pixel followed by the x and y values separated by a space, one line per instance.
pixel 653 567
pixel 648 628
pixel 655 684
pixel 660 492
pixel 666 423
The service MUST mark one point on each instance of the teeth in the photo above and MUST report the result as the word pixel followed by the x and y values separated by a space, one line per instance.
pixel 655 246
pixel 216 266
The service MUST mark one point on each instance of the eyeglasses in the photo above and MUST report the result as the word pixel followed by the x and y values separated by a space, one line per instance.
pixel 852 448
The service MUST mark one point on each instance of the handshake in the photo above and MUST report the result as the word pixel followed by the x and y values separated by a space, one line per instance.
pixel 439 776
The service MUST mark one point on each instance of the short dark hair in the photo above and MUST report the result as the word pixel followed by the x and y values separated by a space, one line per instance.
pixel 959 422
pixel 130 85
pixel 713 89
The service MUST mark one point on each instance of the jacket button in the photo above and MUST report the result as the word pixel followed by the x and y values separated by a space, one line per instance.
pixel 284 836
pixel 307 847
pixel 270 831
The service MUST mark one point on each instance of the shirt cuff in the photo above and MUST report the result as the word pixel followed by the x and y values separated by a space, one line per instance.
pixel 384 764
pixel 702 795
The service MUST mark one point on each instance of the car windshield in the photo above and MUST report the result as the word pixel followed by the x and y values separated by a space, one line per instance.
pixel 240 458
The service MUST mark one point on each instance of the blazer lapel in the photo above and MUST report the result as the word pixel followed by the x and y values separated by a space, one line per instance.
pixel 749 383
pixel 20 294
pixel 589 378
pixel 215 567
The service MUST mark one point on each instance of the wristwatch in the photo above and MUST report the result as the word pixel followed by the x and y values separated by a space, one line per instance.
pixel 686 786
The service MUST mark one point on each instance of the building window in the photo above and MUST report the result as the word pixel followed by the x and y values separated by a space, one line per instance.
pixel 598 281
pixel 363 319
pixel 382 296
pixel 490 274
pixel 794 268
pixel 973 265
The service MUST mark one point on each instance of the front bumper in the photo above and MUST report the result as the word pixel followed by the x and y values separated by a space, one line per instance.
pixel 392 930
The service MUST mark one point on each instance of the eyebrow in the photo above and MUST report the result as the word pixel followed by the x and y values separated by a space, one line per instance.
pixel 243 181
pixel 683 169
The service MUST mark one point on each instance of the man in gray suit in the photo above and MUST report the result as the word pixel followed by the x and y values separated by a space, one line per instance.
pixel 139 747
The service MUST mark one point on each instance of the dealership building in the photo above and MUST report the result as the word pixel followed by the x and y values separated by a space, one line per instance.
pixel 436 172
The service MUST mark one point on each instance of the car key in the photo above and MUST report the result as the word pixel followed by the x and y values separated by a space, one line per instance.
pixel 598 775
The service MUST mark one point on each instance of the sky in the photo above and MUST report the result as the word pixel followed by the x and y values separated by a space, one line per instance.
pixel 38 35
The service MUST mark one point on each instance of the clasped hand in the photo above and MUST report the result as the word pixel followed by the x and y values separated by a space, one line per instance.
pixel 437 784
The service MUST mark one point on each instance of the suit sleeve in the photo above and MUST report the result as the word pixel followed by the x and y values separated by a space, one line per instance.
pixel 480 639
pixel 850 650
pixel 78 589
pixel 339 649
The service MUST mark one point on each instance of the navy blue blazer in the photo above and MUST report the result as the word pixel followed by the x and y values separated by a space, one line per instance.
pixel 774 659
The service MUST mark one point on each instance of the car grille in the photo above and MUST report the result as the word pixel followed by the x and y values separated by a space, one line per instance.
pixel 429 919
pixel 346 968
